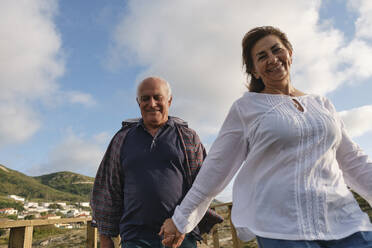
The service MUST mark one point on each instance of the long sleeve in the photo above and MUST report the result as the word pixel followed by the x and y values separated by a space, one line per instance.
pixel 354 163
pixel 107 194
pixel 223 161
pixel 356 167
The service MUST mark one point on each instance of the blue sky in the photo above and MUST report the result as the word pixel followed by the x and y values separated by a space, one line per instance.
pixel 69 69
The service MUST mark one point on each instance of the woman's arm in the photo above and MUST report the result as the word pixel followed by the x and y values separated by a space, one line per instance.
pixel 354 163
pixel 223 161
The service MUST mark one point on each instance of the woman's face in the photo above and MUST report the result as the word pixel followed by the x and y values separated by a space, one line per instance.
pixel 271 60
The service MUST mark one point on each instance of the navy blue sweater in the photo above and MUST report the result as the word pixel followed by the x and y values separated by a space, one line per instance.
pixel 154 180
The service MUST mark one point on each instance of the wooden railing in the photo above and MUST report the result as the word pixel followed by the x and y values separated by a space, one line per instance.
pixel 20 235
pixel 236 242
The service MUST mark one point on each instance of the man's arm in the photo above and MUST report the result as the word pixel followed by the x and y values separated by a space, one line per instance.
pixel 195 151
pixel 107 194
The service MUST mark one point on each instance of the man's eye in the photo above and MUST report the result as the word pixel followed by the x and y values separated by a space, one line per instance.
pixel 147 98
pixel 158 97
pixel 144 98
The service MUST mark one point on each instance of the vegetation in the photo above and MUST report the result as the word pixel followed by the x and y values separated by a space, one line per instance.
pixel 30 217
pixel 13 182
pixel 55 206
pixel 41 232
pixel 12 217
pixel 68 182
pixel 6 202
pixel 364 205
pixel 4 237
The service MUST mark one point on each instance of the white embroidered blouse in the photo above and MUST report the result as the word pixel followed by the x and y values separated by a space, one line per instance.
pixel 294 168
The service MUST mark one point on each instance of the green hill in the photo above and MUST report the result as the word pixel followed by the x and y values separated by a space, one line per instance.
pixel 16 183
pixel 68 182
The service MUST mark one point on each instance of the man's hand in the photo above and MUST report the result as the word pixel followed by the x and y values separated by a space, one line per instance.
pixel 171 236
pixel 106 241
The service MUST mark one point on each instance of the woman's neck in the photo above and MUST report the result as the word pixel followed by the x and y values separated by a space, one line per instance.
pixel 288 90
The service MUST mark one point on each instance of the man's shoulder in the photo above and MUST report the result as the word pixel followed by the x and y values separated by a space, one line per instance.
pixel 125 126
pixel 189 135
pixel 130 122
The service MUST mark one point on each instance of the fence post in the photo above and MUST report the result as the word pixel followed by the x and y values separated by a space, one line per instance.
pixel 235 239
pixel 216 239
pixel 20 237
pixel 91 235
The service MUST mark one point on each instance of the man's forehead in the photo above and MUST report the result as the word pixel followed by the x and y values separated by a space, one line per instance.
pixel 152 87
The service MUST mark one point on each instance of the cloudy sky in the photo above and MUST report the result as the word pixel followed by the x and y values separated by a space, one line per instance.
pixel 69 69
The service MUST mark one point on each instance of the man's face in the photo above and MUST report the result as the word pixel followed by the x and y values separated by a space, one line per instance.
pixel 153 102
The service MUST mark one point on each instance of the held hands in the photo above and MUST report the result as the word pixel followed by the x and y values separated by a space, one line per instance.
pixel 171 236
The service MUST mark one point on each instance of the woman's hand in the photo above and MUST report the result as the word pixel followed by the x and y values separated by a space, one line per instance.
pixel 171 236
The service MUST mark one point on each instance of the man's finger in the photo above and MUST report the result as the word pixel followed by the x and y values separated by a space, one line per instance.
pixel 168 241
pixel 178 241
pixel 161 231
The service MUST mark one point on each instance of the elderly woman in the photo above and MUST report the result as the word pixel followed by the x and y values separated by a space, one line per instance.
pixel 295 157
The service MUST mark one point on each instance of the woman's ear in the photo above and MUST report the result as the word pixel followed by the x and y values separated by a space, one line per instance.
pixel 255 75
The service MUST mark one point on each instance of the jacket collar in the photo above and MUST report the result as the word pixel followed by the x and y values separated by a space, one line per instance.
pixel 172 120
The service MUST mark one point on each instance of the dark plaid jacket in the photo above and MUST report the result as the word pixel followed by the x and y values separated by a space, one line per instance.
pixel 107 195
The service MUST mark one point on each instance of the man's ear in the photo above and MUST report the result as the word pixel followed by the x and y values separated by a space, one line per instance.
pixel 170 101
pixel 137 101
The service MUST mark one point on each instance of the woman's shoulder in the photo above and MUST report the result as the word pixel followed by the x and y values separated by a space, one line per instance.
pixel 320 98
pixel 249 100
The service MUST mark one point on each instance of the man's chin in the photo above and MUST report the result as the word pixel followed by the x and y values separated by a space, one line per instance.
pixel 154 122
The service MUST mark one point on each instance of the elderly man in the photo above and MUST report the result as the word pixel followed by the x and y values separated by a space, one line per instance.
pixel 146 171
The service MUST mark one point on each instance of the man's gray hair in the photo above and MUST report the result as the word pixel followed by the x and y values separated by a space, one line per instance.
pixel 167 85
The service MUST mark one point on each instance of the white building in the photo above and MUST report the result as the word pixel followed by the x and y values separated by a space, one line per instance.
pixel 84 204
pixel 17 198
pixel 40 209
pixel 31 205
pixel 72 213
pixel 62 204
pixel 45 204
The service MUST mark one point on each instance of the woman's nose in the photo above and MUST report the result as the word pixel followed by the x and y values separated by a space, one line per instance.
pixel 272 58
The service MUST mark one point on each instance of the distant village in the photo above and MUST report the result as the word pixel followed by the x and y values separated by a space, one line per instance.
pixel 47 210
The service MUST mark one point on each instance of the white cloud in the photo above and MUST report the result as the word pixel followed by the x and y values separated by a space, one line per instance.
pixel 31 60
pixel 18 122
pixel 357 55
pixel 358 121
pixel 102 138
pixel 80 97
pixel 76 153
pixel 196 46
pixel 364 22
pixel 30 47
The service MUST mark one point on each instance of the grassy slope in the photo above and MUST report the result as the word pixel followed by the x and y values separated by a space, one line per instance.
pixel 68 182
pixel 13 182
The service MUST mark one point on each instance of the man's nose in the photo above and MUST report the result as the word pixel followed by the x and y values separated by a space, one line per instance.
pixel 152 102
